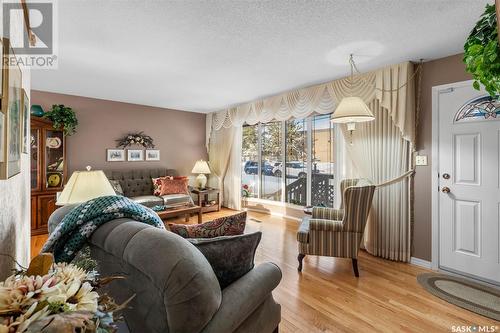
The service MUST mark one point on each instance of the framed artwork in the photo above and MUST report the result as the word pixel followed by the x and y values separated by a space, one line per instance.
pixel 152 155
pixel 25 134
pixel 134 155
pixel 115 155
pixel 11 111
pixel 3 41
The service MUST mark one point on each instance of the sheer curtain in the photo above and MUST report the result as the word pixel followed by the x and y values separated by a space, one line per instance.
pixel 224 158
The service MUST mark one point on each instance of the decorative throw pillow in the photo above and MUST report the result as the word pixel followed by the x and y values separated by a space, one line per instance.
pixel 231 257
pixel 223 226
pixel 115 184
pixel 174 186
pixel 157 185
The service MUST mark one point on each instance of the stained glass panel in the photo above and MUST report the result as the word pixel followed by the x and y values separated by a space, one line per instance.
pixel 479 108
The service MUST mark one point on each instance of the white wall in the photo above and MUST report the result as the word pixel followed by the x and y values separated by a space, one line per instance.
pixel 15 209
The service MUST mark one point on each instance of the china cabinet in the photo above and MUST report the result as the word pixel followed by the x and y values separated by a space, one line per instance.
pixel 48 171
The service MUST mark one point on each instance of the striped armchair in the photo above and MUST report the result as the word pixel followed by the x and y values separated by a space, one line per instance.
pixel 338 232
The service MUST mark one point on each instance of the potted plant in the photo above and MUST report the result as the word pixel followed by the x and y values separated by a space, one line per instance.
pixel 482 52
pixel 63 118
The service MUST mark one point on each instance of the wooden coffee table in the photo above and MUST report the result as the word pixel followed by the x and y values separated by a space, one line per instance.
pixel 181 210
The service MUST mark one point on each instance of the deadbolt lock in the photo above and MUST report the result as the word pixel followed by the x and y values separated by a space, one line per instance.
pixel 446 176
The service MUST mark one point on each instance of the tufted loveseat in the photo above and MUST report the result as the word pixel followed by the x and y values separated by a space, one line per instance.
pixel 138 185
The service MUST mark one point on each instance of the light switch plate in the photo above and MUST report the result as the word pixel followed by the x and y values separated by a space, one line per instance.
pixel 421 160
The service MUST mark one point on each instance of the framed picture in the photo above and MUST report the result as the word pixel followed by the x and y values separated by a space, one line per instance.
pixel 11 111
pixel 3 41
pixel 115 155
pixel 152 155
pixel 134 155
pixel 25 133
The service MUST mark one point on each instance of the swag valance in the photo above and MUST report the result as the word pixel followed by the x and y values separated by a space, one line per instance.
pixel 323 98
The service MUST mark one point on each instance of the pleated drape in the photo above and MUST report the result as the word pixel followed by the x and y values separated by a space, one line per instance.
pixel 380 153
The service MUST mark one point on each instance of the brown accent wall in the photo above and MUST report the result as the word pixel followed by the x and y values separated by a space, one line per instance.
pixel 441 71
pixel 179 135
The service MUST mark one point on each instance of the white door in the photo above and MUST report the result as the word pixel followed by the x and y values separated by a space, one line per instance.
pixel 469 143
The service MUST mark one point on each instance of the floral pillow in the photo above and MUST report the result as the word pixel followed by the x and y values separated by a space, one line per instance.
pixel 157 185
pixel 170 185
pixel 224 226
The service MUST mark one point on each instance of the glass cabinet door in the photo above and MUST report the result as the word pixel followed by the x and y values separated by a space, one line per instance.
pixel 34 164
pixel 54 159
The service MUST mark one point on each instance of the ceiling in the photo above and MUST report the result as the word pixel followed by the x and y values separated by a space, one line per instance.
pixel 204 56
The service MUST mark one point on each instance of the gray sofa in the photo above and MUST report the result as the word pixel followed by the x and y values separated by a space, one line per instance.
pixel 175 287
pixel 138 186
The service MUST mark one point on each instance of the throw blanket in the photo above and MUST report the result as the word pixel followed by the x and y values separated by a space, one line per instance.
pixel 71 235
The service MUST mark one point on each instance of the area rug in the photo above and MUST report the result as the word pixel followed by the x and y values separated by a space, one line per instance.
pixel 466 294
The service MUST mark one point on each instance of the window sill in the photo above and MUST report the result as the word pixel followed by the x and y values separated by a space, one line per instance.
pixel 271 202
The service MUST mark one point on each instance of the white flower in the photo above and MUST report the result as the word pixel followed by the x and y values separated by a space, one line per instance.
pixel 18 293
pixel 69 272
pixel 84 300
pixel 25 320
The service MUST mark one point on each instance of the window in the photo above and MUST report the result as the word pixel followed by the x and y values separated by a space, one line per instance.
pixel 271 150
pixel 479 108
pixel 323 162
pixel 250 162
pixel 291 161
pixel 296 162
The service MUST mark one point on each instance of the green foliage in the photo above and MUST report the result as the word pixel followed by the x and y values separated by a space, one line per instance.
pixel 63 118
pixel 482 52
pixel 58 307
pixel 272 134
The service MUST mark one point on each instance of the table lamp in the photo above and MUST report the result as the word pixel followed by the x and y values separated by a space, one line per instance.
pixel 201 168
pixel 85 185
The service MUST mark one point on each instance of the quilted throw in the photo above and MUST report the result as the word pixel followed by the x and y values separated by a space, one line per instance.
pixel 77 226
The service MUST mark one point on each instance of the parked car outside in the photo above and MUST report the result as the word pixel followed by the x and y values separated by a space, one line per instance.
pixel 293 169
pixel 252 168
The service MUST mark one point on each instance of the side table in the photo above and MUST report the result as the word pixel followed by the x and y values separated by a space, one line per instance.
pixel 204 203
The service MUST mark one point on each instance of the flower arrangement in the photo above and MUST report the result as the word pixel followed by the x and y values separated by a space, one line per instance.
pixel 135 139
pixel 245 191
pixel 63 300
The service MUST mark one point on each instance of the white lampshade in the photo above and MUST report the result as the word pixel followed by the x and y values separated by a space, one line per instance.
pixel 201 167
pixel 85 185
pixel 352 110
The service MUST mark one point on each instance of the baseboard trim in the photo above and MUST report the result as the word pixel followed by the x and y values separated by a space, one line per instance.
pixel 272 214
pixel 420 262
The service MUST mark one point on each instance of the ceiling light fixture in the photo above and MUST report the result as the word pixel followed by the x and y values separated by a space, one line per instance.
pixel 352 109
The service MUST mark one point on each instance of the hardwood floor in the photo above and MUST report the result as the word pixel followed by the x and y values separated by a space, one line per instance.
pixel 326 297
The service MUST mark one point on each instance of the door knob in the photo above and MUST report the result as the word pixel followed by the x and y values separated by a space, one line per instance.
pixel 446 176
pixel 445 189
